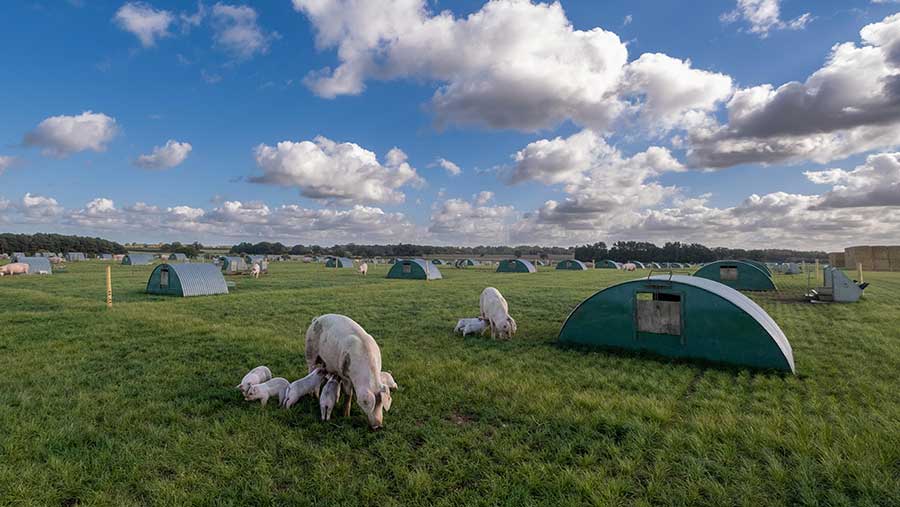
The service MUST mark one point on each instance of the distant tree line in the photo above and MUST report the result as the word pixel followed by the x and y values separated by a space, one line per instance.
pixel 192 250
pixel 624 251
pixel 57 243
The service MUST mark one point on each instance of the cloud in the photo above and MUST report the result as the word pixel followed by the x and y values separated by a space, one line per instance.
pixel 39 209
pixel 764 16
pixel 463 222
pixel 236 220
pixel 483 197
pixel 237 31
pixel 6 162
pixel 850 105
pixel 511 64
pixel 451 168
pixel 875 183
pixel 672 91
pixel 145 22
pixel 628 19
pixel 165 157
pixel 342 172
pixel 60 136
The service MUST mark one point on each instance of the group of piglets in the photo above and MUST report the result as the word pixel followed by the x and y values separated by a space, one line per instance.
pixel 258 384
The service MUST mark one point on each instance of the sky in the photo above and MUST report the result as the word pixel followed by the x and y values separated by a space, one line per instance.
pixel 738 123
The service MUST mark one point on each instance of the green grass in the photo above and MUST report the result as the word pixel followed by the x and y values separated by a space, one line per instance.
pixel 136 405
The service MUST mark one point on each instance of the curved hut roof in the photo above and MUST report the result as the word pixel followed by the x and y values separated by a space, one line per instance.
pixel 573 264
pixel 414 269
pixel 516 266
pixel 187 279
pixel 681 316
pixel 738 275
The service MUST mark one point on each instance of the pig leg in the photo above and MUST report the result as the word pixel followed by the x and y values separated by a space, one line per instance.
pixel 347 402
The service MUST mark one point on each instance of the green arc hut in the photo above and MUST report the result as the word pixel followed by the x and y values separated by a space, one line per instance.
pixel 186 280
pixel 232 264
pixel 137 259
pixel 339 262
pixel 571 264
pixel 682 317
pixel 515 266
pixel 414 269
pixel 738 275
pixel 607 264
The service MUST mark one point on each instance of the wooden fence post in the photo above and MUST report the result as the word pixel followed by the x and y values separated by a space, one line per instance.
pixel 109 286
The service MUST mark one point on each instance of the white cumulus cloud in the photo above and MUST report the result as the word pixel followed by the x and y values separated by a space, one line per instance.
pixel 168 156
pixel 764 16
pixel 238 32
pixel 328 170
pixel 59 136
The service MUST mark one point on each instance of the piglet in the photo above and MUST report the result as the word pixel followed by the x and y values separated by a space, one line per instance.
pixel 329 396
pixel 300 388
pixel 470 326
pixel 274 387
pixel 257 375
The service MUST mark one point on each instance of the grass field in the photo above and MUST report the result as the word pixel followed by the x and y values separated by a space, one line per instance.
pixel 136 405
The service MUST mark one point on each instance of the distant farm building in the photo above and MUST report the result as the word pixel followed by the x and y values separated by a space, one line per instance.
pixel 414 269
pixel 680 316
pixel 339 262
pixel 187 280
pixel 515 266
pixel 233 264
pixel 178 257
pixel 571 264
pixel 738 275
pixel 607 264
pixel 36 265
pixel 137 259
pixel 838 260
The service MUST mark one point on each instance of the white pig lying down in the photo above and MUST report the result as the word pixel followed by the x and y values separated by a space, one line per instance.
pixel 300 388
pixel 274 387
pixel 329 396
pixel 470 326
pixel 257 375
pixel 344 348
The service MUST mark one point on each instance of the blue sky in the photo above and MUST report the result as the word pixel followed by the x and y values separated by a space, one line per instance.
pixel 604 147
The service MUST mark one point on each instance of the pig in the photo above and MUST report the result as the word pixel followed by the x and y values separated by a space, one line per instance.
pixel 330 396
pixel 628 266
pixel 255 271
pixel 16 268
pixel 470 326
pixel 274 387
pixel 257 375
pixel 345 349
pixel 300 388
pixel 495 310
pixel 363 269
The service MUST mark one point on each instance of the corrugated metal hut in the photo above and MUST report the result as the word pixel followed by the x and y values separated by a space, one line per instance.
pixel 414 269
pixel 655 265
pixel 18 255
pixel 179 257
pixel 639 264
pixel 234 264
pixel 760 265
pixel 105 257
pixel 738 275
pixel 258 259
pixel 515 266
pixel 187 280
pixel 137 259
pixel 680 316
pixel 37 265
pixel 464 263
pixel 75 256
pixel 437 262
pixel 607 264
pixel 571 264
pixel 338 262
